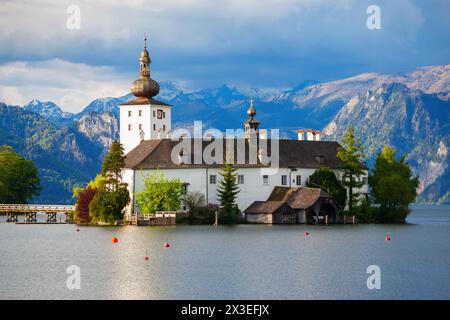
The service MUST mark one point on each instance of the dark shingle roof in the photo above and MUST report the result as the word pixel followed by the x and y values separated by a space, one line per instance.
pixel 297 198
pixel 269 207
pixel 153 154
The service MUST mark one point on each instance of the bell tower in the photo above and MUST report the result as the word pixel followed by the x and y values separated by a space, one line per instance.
pixel 144 118
pixel 251 125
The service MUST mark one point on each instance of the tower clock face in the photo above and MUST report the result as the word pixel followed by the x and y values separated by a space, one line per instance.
pixel 160 114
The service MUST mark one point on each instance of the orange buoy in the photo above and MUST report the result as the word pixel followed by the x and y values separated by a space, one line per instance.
pixel 114 240
pixel 306 233
pixel 166 245
pixel 388 238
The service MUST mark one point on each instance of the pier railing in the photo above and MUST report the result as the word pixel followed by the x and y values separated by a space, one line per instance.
pixel 47 208
pixel 30 210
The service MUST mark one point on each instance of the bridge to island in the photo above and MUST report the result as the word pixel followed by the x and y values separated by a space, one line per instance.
pixel 30 211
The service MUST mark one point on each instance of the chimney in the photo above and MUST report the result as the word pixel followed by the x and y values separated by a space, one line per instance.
pixel 301 134
pixel 317 135
pixel 309 135
pixel 263 133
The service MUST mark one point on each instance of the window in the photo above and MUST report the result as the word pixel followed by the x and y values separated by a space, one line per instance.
pixel 265 179
pixel 154 114
pixel 164 127
pixel 160 114
pixel 164 114
pixel 129 127
pixel 129 113
pixel 154 127
pixel 284 180
pixel 364 180
pixel 140 113
pixel 140 127
pixel 212 179
pixel 240 179
pixel 298 180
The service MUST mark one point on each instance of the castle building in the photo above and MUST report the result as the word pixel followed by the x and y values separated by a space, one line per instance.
pixel 146 134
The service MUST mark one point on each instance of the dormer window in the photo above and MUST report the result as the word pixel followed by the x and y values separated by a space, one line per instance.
pixel 319 159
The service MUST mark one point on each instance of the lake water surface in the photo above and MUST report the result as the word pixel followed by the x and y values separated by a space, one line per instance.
pixel 241 262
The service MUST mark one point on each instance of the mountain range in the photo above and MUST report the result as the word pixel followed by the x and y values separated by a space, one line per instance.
pixel 409 111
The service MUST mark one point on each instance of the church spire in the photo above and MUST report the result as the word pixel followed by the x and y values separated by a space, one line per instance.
pixel 251 125
pixel 144 61
pixel 145 87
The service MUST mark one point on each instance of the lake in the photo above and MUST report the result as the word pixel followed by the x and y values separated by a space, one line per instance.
pixel 241 262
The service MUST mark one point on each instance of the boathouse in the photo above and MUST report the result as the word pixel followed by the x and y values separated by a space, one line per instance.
pixel 293 205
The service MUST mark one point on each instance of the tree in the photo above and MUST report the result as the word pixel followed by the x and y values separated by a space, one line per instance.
pixel 19 179
pixel 326 179
pixel 159 194
pixel 82 206
pixel 193 201
pixel 227 191
pixel 107 205
pixel 351 156
pixel 393 187
pixel 85 195
pixel 113 164
pixel 111 195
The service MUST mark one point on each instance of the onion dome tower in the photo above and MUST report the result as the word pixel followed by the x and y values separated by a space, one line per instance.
pixel 145 87
pixel 144 117
pixel 251 125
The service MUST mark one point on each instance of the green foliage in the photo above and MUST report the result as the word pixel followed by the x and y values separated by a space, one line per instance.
pixel 200 215
pixel 108 205
pixel 228 189
pixel 232 216
pixel 159 194
pixel 84 197
pixel 365 212
pixel 105 197
pixel 352 157
pixel 393 187
pixel 193 201
pixel 19 180
pixel 326 179
pixel 112 165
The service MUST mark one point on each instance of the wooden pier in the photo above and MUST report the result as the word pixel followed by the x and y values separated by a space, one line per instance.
pixel 30 211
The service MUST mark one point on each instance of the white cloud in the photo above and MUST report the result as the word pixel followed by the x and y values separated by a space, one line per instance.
pixel 70 85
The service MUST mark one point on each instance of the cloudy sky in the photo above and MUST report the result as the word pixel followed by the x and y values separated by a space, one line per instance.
pixel 204 43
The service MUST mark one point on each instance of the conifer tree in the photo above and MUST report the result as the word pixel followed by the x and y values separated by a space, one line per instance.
pixel 112 165
pixel 352 157
pixel 228 189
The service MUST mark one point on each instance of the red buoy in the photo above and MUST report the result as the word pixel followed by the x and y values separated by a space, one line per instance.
pixel 166 245
pixel 114 240
pixel 146 258
pixel 388 238
pixel 78 230
pixel 306 233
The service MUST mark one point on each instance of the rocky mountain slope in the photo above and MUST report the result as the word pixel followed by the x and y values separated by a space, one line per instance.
pixel 414 122
pixel 50 111
pixel 64 156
